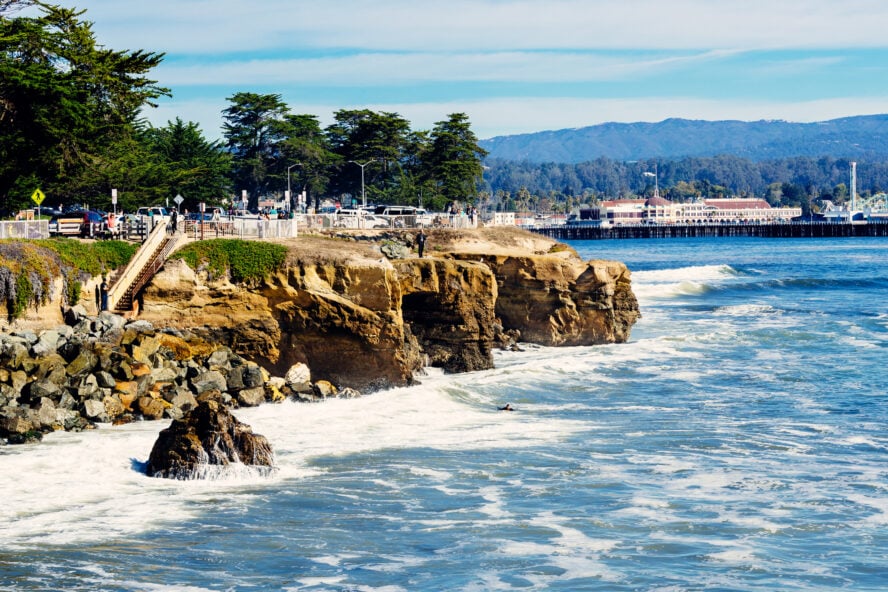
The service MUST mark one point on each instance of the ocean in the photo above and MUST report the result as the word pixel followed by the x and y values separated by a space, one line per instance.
pixel 737 442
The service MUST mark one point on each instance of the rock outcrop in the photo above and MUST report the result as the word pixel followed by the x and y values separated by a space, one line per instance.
pixel 361 320
pixel 206 438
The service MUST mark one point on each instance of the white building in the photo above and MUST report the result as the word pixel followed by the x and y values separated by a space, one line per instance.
pixel 658 210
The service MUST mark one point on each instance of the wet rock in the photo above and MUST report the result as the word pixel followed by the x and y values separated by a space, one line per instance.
pixel 324 389
pixel 348 393
pixel 207 436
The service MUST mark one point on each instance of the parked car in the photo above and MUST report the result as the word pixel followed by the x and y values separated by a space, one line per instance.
pixel 197 216
pixel 93 224
pixel 158 212
pixel 86 223
pixel 348 218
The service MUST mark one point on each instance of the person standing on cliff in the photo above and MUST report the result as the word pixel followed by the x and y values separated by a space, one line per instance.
pixel 420 241
pixel 103 292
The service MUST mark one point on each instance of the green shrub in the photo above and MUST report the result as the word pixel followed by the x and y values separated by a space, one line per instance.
pixel 243 261
pixel 28 268
pixel 92 258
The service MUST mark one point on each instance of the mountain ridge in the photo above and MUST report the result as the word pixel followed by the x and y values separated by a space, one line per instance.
pixel 861 136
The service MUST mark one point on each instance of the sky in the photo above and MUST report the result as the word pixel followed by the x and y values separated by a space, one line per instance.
pixel 514 66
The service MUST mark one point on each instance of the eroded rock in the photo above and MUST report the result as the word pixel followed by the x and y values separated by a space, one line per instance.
pixel 206 437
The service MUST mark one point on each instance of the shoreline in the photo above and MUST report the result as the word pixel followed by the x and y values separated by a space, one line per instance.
pixel 339 319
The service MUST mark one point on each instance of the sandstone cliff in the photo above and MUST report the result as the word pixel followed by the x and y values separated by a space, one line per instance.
pixel 358 319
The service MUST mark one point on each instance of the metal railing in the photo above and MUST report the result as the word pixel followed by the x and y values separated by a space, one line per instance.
pixel 24 229
pixel 245 228
pixel 142 257
pixel 379 222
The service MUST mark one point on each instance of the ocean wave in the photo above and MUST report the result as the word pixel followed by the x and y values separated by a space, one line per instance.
pixel 692 273
pixel 744 310
pixel 681 281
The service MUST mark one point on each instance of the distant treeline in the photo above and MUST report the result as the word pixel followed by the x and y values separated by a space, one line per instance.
pixel 785 181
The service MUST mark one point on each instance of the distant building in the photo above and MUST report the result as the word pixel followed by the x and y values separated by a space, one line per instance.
pixel 500 219
pixel 658 210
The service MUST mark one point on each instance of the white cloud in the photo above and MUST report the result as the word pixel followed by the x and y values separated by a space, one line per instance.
pixel 412 68
pixel 211 27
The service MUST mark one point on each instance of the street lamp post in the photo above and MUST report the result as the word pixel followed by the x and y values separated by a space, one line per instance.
pixel 289 193
pixel 363 195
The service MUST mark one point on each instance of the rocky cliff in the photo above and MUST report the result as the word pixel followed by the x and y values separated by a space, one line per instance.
pixel 361 320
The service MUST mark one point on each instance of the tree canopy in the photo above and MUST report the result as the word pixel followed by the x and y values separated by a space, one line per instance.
pixel 67 105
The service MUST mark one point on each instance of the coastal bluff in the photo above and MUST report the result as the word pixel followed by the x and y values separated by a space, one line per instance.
pixel 362 311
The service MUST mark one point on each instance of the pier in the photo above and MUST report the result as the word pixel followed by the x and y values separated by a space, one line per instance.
pixel 784 230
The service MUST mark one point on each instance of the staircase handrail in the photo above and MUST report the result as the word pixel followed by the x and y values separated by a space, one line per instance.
pixel 137 263
pixel 154 265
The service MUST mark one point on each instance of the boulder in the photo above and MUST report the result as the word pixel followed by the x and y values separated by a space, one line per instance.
pixel 251 397
pixel 94 409
pixel 75 314
pixel 47 343
pixel 252 376
pixel 324 389
pixel 183 400
pixel 210 380
pixel 348 393
pixel 207 436
pixel 84 362
pixel 298 376
pixel 394 250
pixel 152 408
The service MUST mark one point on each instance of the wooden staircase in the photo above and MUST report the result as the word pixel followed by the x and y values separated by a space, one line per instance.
pixel 147 261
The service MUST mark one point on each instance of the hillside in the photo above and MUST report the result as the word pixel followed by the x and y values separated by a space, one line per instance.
pixel 861 137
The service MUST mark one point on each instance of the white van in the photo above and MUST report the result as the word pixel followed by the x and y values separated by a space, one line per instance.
pixel 156 212
pixel 411 215
pixel 348 218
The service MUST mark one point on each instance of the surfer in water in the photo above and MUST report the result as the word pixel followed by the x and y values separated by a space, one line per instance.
pixel 506 407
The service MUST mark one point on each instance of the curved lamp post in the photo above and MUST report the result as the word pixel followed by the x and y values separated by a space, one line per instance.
pixel 363 195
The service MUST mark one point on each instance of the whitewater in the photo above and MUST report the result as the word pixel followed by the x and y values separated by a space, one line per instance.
pixel 736 442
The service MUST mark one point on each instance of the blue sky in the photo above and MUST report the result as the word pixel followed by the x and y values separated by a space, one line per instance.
pixel 514 66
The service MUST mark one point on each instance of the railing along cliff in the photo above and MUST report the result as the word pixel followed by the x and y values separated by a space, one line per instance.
pixel 21 229
pixel 155 249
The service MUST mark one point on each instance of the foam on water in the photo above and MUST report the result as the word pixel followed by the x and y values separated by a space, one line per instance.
pixel 76 482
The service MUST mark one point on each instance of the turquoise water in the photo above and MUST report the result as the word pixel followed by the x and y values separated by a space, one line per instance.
pixel 737 442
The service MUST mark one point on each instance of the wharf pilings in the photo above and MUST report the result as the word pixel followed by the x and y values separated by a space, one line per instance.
pixel 794 230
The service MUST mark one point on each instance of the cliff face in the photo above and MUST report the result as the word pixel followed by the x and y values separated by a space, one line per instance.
pixel 557 300
pixel 360 320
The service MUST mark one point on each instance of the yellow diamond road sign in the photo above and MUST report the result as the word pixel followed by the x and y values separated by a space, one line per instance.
pixel 37 197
